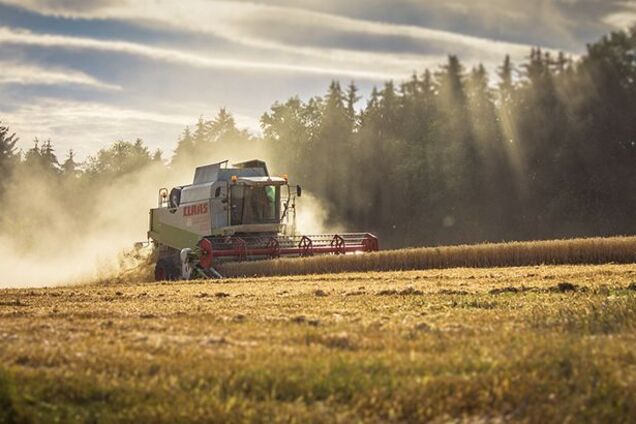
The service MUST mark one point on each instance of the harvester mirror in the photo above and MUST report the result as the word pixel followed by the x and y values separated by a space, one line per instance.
pixel 175 198
pixel 299 191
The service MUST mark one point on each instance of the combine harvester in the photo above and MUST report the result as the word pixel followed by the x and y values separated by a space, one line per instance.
pixel 235 213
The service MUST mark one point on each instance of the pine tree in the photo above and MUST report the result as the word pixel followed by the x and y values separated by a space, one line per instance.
pixel 478 83
pixel 426 85
pixel 331 153
pixel 561 63
pixel 185 150
pixel 33 156
pixel 9 157
pixel 200 136
pixel 537 69
pixel 8 152
pixel 49 159
pixel 505 74
pixel 390 110
pixel 140 155
pixel 410 89
pixel 70 167
pixel 157 156
pixel 222 127
pixel 140 149
pixel 351 100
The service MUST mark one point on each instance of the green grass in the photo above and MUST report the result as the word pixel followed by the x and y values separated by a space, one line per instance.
pixel 513 344
pixel 8 408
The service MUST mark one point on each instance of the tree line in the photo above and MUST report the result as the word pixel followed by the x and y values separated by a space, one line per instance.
pixel 542 149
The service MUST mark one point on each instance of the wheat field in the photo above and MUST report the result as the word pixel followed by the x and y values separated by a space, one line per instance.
pixel 525 344
pixel 553 252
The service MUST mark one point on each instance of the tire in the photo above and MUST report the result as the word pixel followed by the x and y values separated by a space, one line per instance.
pixel 166 271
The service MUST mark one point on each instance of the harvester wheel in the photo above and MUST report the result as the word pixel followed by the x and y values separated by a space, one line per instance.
pixel 165 271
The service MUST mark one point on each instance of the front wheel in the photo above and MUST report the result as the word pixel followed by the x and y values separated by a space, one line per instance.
pixel 165 271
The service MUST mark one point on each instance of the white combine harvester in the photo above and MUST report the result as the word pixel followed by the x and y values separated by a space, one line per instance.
pixel 235 213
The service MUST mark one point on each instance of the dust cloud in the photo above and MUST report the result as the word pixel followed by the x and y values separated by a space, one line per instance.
pixel 60 231
pixel 312 217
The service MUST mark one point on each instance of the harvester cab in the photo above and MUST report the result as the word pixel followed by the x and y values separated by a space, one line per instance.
pixel 233 214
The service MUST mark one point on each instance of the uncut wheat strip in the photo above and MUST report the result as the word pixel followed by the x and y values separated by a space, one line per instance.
pixel 574 251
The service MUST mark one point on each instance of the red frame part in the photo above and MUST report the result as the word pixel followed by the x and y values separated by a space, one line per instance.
pixel 244 248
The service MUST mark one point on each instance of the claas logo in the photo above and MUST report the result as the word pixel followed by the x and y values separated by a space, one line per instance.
pixel 200 209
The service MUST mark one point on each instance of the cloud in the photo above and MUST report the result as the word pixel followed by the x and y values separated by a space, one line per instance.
pixel 237 21
pixel 314 22
pixel 62 6
pixel 274 39
pixel 559 24
pixel 392 68
pixel 624 19
pixel 28 74
pixel 87 126
pixel 327 36
pixel 290 31
pixel 488 25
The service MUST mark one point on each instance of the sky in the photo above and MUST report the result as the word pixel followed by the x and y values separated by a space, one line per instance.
pixel 86 73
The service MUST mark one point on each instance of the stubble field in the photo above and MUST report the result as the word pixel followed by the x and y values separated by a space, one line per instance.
pixel 534 344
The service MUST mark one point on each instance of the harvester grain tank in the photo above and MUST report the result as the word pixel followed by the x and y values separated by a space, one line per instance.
pixel 235 213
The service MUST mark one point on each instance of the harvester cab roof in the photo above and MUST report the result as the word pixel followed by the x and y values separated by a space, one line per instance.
pixel 221 172
pixel 235 212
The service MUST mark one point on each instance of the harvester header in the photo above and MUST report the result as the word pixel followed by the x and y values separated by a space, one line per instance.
pixel 235 213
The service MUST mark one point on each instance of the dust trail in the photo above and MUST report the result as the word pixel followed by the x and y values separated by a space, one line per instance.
pixel 67 231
